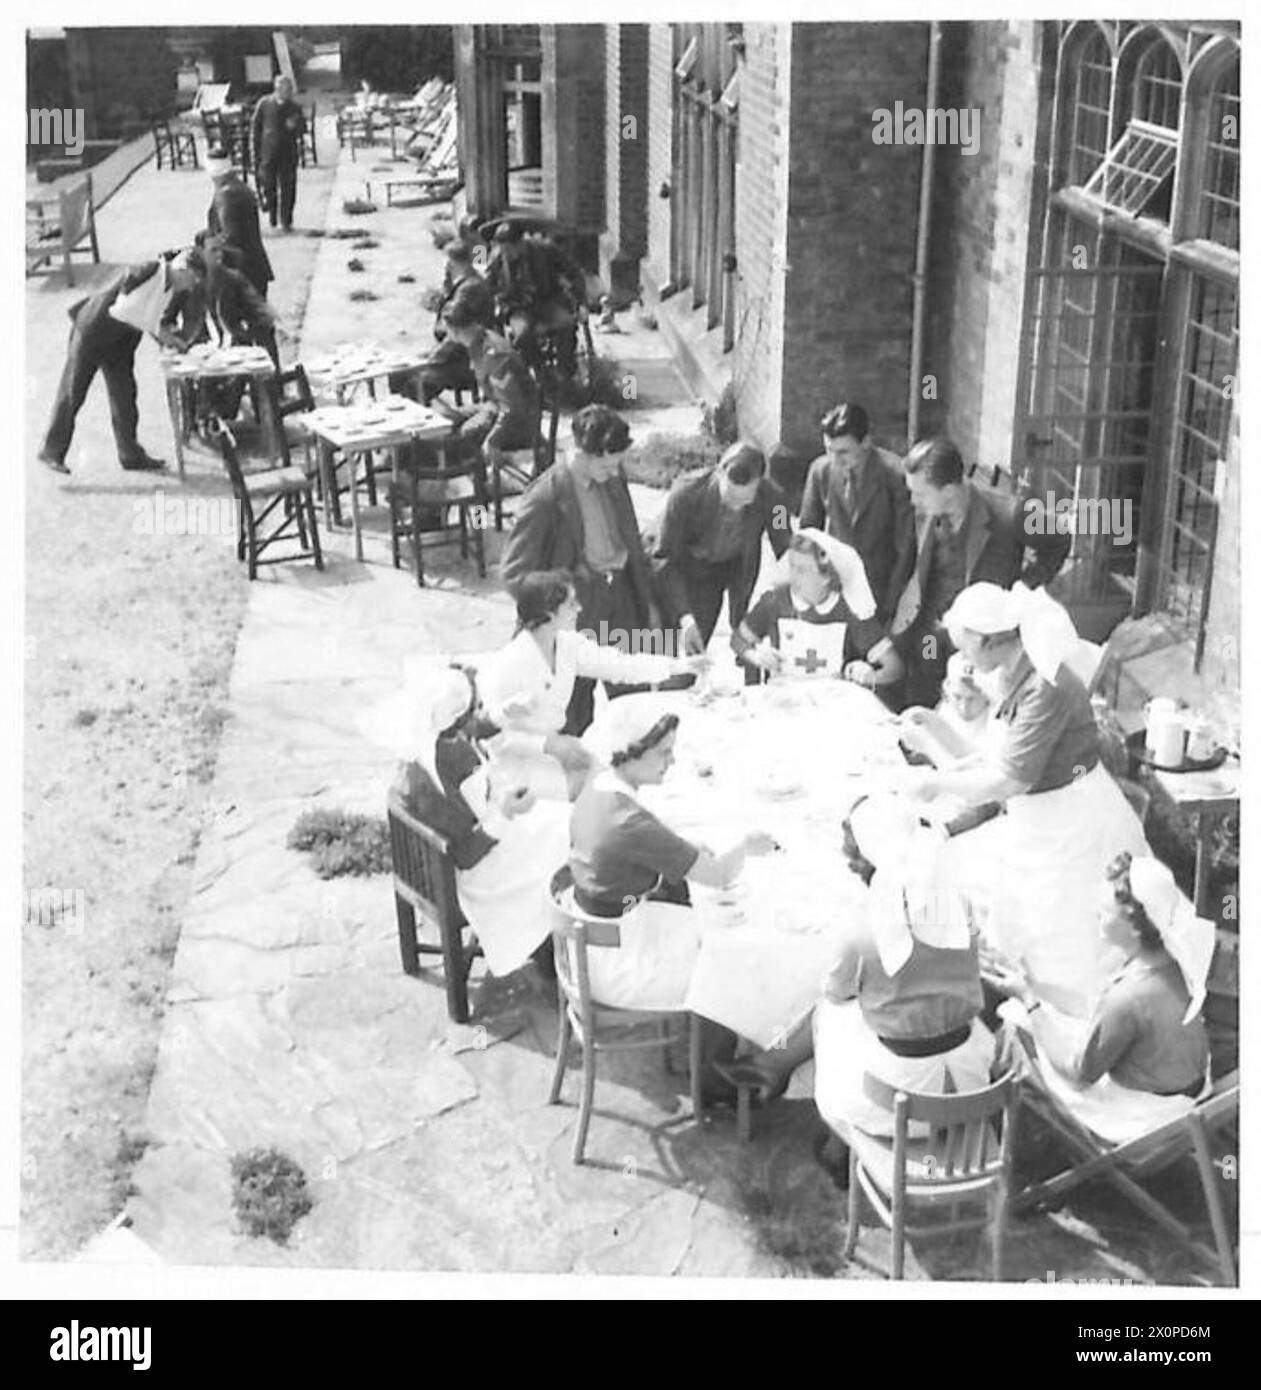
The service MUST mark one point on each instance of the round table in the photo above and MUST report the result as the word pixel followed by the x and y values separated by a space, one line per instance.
pixel 789 758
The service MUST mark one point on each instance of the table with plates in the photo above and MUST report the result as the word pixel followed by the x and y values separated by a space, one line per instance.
pixel 184 371
pixel 358 430
pixel 350 365
pixel 789 758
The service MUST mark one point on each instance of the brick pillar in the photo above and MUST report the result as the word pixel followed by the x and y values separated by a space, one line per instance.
pixel 626 121
pixel 852 210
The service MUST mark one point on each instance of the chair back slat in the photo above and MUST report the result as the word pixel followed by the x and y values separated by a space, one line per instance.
pixel 423 864
pixel 963 1126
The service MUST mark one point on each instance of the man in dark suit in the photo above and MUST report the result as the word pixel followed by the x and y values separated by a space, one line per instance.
pixel 965 536
pixel 278 127
pixel 578 517
pixel 157 294
pixel 852 494
pixel 233 216
pixel 710 542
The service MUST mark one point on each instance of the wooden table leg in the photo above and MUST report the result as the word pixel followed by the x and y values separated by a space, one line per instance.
pixel 352 462
pixel 175 404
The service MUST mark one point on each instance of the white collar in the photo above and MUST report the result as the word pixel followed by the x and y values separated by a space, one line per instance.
pixel 823 608
pixel 607 780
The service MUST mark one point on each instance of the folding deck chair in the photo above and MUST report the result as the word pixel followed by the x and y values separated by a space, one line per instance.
pixel 1126 1165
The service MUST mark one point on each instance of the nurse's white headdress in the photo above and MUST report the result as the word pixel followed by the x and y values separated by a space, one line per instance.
pixel 434 696
pixel 848 564
pixel 1046 630
pixel 913 893
pixel 1189 939
pixel 623 723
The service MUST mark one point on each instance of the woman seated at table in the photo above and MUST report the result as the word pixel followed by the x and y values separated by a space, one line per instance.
pixel 504 842
pixel 628 865
pixel 903 1002
pixel 526 687
pixel 822 619
pixel 1145 1033
pixel 1035 867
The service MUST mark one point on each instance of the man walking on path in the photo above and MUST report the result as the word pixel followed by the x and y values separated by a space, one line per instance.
pixel 277 138
pixel 233 216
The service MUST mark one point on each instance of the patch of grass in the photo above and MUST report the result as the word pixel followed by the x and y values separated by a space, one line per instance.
pixel 269 1193
pixel 362 296
pixel 804 1230
pixel 366 243
pixel 357 207
pixel 355 265
pixel 342 842
pixel 406 279
pixel 660 457
pixel 85 718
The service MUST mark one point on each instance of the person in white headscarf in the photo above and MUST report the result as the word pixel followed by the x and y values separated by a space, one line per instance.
pixel 819 620
pixel 504 842
pixel 1142 1057
pixel 1036 867
pixel 903 1002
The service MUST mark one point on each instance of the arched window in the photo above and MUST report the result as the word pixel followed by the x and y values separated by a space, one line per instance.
pixel 1091 108
pixel 1219 193
pixel 1137 174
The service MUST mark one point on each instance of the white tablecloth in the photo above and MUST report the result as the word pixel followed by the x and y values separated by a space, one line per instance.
pixel 790 760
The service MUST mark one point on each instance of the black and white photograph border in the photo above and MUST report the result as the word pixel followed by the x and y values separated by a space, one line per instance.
pixel 755 803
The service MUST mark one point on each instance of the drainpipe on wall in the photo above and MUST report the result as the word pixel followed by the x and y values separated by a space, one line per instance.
pixel 919 280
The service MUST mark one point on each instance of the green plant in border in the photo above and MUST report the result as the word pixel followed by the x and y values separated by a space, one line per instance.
pixel 342 842
pixel 269 1193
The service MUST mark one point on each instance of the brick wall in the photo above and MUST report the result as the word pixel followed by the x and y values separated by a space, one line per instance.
pixel 852 207
pixel 573 77
pixel 625 237
pixel 980 238
pixel 761 246
pixel 656 270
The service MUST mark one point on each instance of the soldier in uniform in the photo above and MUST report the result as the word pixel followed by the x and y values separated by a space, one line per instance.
pixel 463 290
pixel 539 292
pixel 507 416
pixel 233 215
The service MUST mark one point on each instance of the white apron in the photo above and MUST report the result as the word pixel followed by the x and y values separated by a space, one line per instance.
pixel 845 1049
pixel 506 895
pixel 652 968
pixel 1038 872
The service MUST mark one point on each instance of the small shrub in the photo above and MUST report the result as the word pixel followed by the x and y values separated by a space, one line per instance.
pixel 659 458
pixel 357 207
pixel 604 384
pixel 342 842
pixel 269 1193
pixel 721 419
pixel 362 296
pixel 355 265
pixel 366 243
pixel 406 279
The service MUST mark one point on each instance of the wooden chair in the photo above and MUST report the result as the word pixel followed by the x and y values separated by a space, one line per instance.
pixel 441 491
pixel 292 399
pixel 58 225
pixel 968 1156
pixel 176 146
pixel 281 490
pixel 599 1027
pixel 424 883
pixel 307 145
pixel 1126 1165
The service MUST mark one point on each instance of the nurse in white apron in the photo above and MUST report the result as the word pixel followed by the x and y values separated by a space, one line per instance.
pixel 1036 869
pixel 505 842
pixel 1142 1058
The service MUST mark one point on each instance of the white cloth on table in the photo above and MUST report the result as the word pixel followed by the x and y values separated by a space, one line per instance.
pixel 505 896
pixel 845 1050
pixel 1038 873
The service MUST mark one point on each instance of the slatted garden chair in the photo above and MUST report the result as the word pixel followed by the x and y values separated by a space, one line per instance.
pixel 967 1156
pixel 279 496
pixel 424 883
pixel 599 1027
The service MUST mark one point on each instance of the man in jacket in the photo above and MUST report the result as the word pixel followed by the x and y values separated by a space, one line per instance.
pixel 233 216
pixel 465 292
pixel 150 298
pixel 710 542
pixel 965 536
pixel 278 127
pixel 579 517
pixel 852 494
